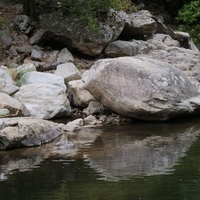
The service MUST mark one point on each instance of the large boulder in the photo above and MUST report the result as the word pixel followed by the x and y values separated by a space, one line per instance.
pixel 120 48
pixel 26 132
pixel 159 41
pixel 75 33
pixel 141 88
pixel 44 101
pixel 161 47
pixel 138 23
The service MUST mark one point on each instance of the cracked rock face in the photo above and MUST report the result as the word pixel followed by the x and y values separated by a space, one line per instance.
pixel 141 87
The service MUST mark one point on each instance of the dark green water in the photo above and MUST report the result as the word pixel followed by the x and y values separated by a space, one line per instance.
pixel 148 161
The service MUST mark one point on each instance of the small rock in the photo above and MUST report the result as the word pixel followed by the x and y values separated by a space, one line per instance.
pixel 10 104
pixel 90 120
pixel 94 108
pixel 22 69
pixel 81 97
pixel 12 51
pixel 37 36
pixel 4 112
pixel 65 56
pixel 24 49
pixel 6 39
pixel 64 145
pixel 36 55
pixel 21 22
pixel 68 71
pixel 73 125
pixel 103 118
pixel 50 56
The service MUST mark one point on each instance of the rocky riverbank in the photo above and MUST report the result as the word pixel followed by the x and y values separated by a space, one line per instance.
pixel 152 75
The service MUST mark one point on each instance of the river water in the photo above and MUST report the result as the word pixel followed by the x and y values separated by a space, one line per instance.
pixel 143 160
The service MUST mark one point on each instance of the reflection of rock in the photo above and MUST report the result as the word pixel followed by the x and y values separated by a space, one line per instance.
pixel 85 136
pixel 69 145
pixel 121 158
pixel 22 159
pixel 26 159
pixel 64 147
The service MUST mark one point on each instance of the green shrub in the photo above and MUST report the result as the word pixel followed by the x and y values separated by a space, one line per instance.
pixel 189 17
pixel 4 22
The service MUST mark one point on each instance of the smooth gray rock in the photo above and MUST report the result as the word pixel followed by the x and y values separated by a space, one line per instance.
pixel 24 48
pixel 141 88
pixel 37 55
pixel 120 48
pixel 27 132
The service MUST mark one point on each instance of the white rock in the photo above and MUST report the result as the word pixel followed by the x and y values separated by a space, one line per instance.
pixel 44 101
pixel 46 78
pixel 68 71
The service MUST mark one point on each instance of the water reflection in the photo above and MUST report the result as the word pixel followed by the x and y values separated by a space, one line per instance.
pixel 127 154
pixel 139 161
pixel 21 160
pixel 117 153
